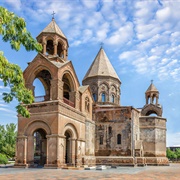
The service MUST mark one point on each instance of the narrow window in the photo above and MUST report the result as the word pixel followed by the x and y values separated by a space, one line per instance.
pixel 87 104
pixel 103 97
pixel 112 98
pixel 94 96
pixel 118 139
pixel 101 140
pixel 110 129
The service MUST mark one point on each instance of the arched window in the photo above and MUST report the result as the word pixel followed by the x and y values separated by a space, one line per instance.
pixel 110 130
pixel 103 97
pixel 60 50
pixel 49 47
pixel 87 104
pixel 68 95
pixel 101 140
pixel 112 98
pixel 119 139
pixel 95 97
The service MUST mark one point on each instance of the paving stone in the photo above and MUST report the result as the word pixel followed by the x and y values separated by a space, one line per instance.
pixel 171 172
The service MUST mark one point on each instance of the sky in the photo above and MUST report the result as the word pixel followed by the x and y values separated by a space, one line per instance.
pixel 141 39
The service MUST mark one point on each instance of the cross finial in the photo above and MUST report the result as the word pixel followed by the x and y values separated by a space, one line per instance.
pixel 151 81
pixel 53 14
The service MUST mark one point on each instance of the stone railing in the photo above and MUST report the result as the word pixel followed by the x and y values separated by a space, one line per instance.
pixel 70 103
pixel 39 98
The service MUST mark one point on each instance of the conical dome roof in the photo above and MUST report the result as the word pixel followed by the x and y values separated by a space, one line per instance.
pixel 52 27
pixel 101 66
pixel 152 88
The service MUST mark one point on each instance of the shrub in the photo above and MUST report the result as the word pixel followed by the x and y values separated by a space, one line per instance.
pixel 3 159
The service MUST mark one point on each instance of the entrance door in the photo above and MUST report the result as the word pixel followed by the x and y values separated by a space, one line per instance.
pixel 68 149
pixel 40 143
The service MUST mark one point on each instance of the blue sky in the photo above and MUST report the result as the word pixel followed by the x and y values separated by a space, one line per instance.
pixel 141 39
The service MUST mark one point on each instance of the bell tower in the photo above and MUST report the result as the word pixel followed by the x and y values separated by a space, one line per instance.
pixel 153 128
pixel 61 120
pixel 54 42
pixel 152 105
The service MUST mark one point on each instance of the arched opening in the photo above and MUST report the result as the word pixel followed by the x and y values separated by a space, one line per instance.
pixel 60 50
pixel 68 93
pixel 49 47
pixel 151 113
pixel 119 139
pixel 110 130
pixel 95 97
pixel 40 146
pixel 68 148
pixel 112 98
pixel 103 97
pixel 39 91
pixel 42 86
pixel 87 104
pixel 101 140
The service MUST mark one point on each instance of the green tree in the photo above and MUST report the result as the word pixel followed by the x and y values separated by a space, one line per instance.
pixel 8 140
pixel 13 30
pixel 171 154
pixel 3 159
pixel 177 152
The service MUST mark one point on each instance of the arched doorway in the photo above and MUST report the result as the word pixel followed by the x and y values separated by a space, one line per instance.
pixel 40 146
pixel 68 150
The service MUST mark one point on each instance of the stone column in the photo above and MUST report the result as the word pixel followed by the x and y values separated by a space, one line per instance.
pixel 73 151
pixel 25 150
pixel 56 92
pixel 44 48
pixel 30 151
pixel 80 151
pixel 62 146
pixel 55 48
pixel 77 100
pixel 51 158
pixel 151 99
pixel 47 152
pixel 157 100
pixel 58 152
pixel 21 150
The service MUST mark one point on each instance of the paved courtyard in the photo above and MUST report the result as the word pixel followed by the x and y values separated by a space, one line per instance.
pixel 171 172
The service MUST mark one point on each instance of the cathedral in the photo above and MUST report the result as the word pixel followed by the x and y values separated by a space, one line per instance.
pixel 85 125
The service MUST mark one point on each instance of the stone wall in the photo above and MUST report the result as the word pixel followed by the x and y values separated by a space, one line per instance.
pixel 153 135
pixel 90 138
pixel 111 122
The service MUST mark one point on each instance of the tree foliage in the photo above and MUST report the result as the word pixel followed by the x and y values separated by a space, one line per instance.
pixel 8 140
pixel 172 155
pixel 13 30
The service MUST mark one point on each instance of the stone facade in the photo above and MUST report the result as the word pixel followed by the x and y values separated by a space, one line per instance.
pixel 73 125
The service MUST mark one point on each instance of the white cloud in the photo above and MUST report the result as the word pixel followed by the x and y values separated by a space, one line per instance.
pixel 145 32
pixel 3 105
pixel 3 87
pixel 90 4
pixel 14 3
pixel 7 110
pixel 122 35
pixel 173 139
pixel 164 14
